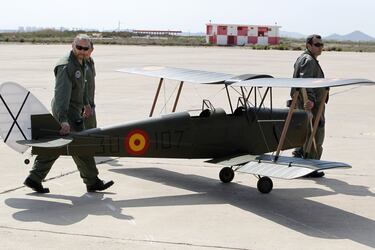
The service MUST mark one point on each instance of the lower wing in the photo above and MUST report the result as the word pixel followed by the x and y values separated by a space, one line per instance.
pixel 284 168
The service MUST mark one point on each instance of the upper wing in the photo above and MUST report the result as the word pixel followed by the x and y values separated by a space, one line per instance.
pixel 284 168
pixel 189 75
pixel 301 82
pixel 248 80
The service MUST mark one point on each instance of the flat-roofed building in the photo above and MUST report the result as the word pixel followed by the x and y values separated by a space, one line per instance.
pixel 157 32
pixel 242 34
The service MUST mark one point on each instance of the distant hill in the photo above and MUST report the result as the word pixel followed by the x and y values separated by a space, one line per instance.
pixel 7 31
pixel 356 36
pixel 289 34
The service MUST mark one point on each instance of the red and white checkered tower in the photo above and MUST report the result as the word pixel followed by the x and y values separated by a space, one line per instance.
pixel 237 34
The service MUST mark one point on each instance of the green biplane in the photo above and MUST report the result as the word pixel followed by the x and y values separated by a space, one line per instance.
pixel 249 139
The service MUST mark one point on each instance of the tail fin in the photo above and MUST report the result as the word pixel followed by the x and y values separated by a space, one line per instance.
pixel 23 117
pixel 44 126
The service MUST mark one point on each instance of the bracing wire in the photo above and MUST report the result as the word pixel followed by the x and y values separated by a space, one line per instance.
pixel 164 108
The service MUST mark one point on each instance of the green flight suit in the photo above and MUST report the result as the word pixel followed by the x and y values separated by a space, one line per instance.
pixel 90 122
pixel 69 98
pixel 306 66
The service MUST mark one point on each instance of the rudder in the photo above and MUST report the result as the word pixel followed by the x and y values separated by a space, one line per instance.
pixel 19 109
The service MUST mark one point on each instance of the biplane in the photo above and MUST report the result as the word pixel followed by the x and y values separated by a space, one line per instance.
pixel 248 139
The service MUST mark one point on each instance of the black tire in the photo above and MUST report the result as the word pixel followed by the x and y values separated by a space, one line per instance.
pixel 27 161
pixel 226 174
pixel 265 185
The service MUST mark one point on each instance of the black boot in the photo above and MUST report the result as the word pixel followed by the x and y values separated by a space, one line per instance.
pixel 99 185
pixel 315 174
pixel 38 187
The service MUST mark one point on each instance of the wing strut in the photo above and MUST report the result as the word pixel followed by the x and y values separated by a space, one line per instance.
pixel 156 97
pixel 230 103
pixel 287 123
pixel 310 115
pixel 316 122
pixel 178 96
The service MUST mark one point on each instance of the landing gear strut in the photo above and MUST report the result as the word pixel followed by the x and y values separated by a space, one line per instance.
pixel 265 185
pixel 226 174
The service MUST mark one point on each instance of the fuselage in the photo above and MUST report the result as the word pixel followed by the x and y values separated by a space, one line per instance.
pixel 212 134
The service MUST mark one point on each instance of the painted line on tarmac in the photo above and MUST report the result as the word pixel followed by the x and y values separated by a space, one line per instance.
pixel 150 241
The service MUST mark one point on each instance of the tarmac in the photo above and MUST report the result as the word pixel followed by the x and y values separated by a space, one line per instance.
pixel 181 204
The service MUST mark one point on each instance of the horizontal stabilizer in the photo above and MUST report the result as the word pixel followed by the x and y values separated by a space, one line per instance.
pixel 287 167
pixel 301 82
pixel 47 143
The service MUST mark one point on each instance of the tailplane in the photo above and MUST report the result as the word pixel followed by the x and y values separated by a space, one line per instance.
pixel 23 117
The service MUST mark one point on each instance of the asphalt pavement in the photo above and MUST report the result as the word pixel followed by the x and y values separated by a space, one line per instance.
pixel 181 204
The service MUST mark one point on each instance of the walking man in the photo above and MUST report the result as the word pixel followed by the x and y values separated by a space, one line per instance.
pixel 70 98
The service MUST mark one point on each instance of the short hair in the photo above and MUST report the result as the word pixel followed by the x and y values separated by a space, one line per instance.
pixel 309 39
pixel 81 37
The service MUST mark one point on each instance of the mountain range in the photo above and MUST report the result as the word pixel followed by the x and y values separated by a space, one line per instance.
pixel 355 36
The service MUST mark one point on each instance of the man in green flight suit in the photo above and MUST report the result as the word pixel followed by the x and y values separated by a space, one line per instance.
pixel 70 98
pixel 90 121
pixel 307 66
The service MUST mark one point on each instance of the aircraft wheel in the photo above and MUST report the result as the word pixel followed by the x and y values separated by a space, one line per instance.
pixel 27 161
pixel 265 185
pixel 226 174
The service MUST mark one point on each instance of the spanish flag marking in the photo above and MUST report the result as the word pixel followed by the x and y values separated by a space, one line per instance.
pixel 137 142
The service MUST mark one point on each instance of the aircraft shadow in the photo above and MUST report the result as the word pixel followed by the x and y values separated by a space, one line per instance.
pixel 341 187
pixel 112 161
pixel 63 213
pixel 288 207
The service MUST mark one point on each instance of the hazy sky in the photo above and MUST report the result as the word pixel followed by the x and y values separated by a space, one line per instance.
pixel 303 16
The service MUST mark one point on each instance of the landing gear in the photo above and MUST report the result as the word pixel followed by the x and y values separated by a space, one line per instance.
pixel 26 161
pixel 265 185
pixel 226 174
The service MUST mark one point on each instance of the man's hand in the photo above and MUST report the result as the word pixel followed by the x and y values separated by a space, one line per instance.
pixel 308 105
pixel 65 128
pixel 87 111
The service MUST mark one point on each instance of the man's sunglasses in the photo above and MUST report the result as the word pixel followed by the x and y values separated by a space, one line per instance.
pixel 79 47
pixel 318 45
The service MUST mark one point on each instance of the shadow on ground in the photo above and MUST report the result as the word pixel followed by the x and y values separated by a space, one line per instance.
pixel 290 208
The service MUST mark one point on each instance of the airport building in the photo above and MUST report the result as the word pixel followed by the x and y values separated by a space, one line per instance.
pixel 157 32
pixel 241 34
